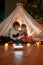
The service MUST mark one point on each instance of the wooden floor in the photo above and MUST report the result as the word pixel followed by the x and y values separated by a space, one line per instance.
pixel 28 56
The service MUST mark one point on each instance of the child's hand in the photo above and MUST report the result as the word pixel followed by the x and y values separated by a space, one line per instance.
pixel 22 36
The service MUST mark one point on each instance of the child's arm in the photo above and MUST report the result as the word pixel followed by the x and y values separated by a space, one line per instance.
pixel 13 34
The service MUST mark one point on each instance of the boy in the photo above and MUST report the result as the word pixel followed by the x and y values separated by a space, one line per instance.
pixel 14 33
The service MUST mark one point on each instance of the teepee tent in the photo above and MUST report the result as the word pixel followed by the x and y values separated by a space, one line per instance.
pixel 20 15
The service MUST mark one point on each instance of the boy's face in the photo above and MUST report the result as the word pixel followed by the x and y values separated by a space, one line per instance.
pixel 17 27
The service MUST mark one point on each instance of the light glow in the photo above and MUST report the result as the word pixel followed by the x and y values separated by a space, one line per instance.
pixel 18 55
pixel 18 46
pixel 14 45
pixel 37 44
pixel 28 45
pixel 6 46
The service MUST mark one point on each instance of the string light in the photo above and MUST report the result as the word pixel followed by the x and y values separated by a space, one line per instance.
pixel 28 44
pixel 6 46
pixel 38 43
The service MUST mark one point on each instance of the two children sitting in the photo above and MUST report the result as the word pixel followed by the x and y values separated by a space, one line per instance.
pixel 19 36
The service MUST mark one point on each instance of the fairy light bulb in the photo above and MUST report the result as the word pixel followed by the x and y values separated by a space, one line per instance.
pixel 28 44
pixel 6 46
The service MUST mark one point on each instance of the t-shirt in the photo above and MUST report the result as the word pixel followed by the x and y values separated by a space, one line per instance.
pixel 14 34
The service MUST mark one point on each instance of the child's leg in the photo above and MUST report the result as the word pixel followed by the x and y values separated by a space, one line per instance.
pixel 17 41
pixel 3 39
pixel 29 39
pixel 23 40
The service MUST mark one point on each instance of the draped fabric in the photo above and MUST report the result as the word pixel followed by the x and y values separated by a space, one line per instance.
pixel 20 15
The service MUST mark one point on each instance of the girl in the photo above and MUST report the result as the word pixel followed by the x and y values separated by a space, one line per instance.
pixel 25 38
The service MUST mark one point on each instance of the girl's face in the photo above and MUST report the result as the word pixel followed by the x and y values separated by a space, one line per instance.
pixel 23 29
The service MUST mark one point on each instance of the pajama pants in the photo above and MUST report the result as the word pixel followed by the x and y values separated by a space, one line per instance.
pixel 5 39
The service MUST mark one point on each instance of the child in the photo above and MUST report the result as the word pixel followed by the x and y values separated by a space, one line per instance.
pixel 14 33
pixel 25 37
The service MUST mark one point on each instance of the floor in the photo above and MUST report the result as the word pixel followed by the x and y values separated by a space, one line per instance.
pixel 29 55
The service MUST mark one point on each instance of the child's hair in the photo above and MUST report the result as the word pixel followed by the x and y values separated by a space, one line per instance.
pixel 16 24
pixel 23 25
